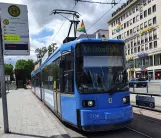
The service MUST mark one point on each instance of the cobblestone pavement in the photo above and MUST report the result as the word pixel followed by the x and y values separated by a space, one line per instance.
pixel 28 117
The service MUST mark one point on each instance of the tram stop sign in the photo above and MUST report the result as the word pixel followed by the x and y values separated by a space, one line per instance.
pixel 15 31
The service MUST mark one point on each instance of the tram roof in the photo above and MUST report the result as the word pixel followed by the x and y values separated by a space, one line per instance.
pixel 71 45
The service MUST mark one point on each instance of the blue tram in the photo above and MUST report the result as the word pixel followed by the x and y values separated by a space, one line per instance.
pixel 84 82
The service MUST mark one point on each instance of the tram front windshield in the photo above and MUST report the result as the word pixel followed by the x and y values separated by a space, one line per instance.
pixel 100 67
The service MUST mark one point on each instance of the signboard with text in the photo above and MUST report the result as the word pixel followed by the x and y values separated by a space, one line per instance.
pixel 15 31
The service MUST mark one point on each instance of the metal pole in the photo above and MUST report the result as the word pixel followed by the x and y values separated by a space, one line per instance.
pixel 3 89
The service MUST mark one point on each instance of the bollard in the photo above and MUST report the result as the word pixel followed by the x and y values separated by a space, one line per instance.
pixel 147 86
pixel 133 87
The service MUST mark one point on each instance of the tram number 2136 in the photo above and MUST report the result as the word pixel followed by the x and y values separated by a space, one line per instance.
pixel 93 115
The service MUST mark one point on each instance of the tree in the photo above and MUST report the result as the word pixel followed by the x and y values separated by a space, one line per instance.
pixel 44 50
pixel 9 70
pixel 40 52
pixel 52 48
pixel 26 65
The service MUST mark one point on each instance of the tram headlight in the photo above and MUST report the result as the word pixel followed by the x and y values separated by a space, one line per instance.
pixel 88 103
pixel 126 100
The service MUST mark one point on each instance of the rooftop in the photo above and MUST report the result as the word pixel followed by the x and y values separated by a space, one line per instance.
pixel 125 6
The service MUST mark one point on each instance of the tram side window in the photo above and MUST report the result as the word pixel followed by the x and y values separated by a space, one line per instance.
pixel 37 79
pixel 68 73
pixel 56 74
pixel 45 78
pixel 50 76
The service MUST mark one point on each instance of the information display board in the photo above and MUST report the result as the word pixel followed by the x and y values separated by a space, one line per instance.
pixel 15 31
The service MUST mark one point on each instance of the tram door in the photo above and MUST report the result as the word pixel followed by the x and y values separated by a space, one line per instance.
pixel 57 99
pixel 56 77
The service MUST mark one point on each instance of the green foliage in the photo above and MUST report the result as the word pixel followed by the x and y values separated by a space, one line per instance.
pixel 40 52
pixel 8 70
pixel 52 48
pixel 26 65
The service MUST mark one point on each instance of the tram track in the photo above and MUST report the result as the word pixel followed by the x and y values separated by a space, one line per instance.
pixel 148 118
pixel 147 136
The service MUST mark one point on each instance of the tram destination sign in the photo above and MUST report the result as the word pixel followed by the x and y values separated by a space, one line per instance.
pixel 145 101
pixel 15 31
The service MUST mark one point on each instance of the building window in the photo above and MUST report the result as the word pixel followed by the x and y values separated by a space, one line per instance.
pixel 149 1
pixel 134 20
pixel 133 9
pixel 127 33
pixel 137 7
pixel 150 45
pixel 145 24
pixel 142 48
pixel 155 44
pixel 137 18
pixel 128 52
pixel 135 41
pixel 132 51
pixel 150 22
pixel 157 59
pixel 150 60
pixel 127 23
pixel 146 46
pixel 119 37
pixel 134 30
pixel 124 25
pixel 138 40
pixel 141 16
pixel 155 34
pixel 127 14
pixel 130 12
pixel 128 44
pixel 154 8
pixel 144 2
pixel 146 37
pixel 138 62
pixel 154 20
pixel 131 44
pixel 142 39
pixel 149 11
pixel 135 50
pixel 150 36
pixel 138 28
pixel 131 22
pixel 141 26
pixel 145 13
pixel 141 8
pixel 138 48
pixel 131 32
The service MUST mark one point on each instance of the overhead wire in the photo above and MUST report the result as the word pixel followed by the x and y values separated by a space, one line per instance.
pixel 102 16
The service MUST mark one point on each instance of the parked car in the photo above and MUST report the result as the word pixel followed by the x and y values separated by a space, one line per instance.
pixel 138 82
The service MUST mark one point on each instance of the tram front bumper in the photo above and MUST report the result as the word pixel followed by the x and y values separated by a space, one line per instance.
pixel 100 120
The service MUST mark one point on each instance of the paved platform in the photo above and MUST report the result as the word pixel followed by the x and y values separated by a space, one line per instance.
pixel 147 113
pixel 28 117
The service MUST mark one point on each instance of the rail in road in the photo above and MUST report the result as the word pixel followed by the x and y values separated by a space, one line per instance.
pixel 141 127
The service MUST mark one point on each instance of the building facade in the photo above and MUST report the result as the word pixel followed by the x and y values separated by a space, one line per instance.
pixel 138 22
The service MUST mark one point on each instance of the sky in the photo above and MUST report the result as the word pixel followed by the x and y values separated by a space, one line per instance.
pixel 43 27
